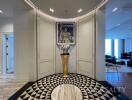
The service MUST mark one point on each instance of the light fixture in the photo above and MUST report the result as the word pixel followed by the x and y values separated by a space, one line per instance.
pixel 52 10
pixel 115 9
pixel 1 12
pixel 80 10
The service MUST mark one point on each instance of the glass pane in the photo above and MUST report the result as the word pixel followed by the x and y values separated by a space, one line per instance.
pixel 108 47
pixel 116 48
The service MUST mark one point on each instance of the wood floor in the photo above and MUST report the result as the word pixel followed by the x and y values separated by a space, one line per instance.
pixel 8 86
pixel 122 81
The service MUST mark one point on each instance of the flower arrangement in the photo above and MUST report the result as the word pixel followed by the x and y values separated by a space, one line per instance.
pixel 65 48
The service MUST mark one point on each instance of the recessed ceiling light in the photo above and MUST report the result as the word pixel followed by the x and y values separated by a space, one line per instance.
pixel 80 10
pixel 1 12
pixel 115 9
pixel 52 10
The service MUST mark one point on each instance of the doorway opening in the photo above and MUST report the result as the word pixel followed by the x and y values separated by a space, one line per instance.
pixel 8 53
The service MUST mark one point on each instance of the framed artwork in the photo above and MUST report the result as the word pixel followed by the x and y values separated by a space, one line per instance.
pixel 66 33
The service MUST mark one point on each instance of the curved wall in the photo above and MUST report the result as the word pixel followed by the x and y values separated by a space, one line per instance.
pixel 25 44
pixel 46 46
pixel 86 46
pixel 82 55
pixel 36 53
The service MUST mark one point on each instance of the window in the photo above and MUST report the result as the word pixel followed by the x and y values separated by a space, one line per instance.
pixel 116 48
pixel 108 47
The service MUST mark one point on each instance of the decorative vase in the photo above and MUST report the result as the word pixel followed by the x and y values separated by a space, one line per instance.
pixel 65 59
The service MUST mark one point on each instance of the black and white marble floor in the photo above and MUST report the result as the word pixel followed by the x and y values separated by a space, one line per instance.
pixel 44 89
pixel 66 92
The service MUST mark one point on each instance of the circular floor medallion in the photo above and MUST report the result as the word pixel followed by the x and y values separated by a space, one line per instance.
pixel 66 92
pixel 43 88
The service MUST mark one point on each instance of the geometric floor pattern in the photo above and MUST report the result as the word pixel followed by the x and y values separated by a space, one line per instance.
pixel 90 88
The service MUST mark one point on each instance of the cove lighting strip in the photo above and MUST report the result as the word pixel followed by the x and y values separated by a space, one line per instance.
pixel 30 3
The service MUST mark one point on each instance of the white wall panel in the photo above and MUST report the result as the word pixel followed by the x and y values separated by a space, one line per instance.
pixel 85 68
pixel 85 47
pixel 45 68
pixel 73 60
pixel 59 68
pixel 46 50
pixel 24 44
pixel 49 59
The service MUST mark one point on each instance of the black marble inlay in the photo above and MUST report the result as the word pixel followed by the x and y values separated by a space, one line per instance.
pixel 91 89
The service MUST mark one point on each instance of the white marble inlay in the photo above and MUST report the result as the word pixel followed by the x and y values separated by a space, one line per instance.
pixel 66 92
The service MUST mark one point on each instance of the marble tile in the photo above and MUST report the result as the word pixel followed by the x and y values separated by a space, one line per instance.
pixel 66 92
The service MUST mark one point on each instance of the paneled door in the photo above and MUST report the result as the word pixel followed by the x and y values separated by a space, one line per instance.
pixel 85 47
pixel 46 47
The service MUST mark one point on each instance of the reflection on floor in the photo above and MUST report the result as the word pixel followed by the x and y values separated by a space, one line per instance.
pixel 120 68
pixel 123 82
pixel 8 86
